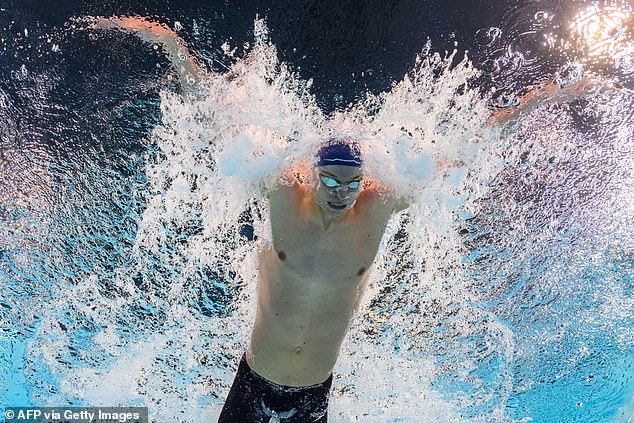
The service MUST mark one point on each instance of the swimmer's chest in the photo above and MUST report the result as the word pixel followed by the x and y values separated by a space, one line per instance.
pixel 343 251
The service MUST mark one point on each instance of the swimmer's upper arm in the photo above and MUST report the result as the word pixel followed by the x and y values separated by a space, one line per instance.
pixel 153 32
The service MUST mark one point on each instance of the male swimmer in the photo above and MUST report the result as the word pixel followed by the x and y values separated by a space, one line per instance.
pixel 325 238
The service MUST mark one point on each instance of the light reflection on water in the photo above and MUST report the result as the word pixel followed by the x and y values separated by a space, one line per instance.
pixel 120 270
pixel 605 31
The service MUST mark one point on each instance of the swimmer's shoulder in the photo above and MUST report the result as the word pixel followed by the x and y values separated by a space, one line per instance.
pixel 292 184
pixel 378 197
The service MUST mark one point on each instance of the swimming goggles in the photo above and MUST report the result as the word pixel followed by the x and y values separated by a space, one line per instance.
pixel 333 183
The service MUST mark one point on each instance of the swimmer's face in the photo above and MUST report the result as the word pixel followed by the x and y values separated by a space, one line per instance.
pixel 337 187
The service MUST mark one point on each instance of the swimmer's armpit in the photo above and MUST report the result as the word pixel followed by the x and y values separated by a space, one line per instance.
pixel 153 32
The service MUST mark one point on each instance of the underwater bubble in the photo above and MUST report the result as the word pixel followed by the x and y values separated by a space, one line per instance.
pixel 490 66
pixel 542 16
pixel 487 36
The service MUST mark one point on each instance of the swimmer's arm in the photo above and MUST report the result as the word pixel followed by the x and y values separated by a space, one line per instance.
pixel 388 197
pixel 547 93
pixel 152 32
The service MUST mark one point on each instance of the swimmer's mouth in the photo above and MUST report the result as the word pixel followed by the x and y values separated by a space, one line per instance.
pixel 336 206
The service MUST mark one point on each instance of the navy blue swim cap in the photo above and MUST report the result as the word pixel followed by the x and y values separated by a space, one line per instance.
pixel 339 152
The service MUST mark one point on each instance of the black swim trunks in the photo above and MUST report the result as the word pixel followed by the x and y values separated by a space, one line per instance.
pixel 254 399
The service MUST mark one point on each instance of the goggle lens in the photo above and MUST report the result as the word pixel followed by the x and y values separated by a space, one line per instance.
pixel 329 182
pixel 333 183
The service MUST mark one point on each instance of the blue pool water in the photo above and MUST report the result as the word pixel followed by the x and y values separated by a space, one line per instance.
pixel 130 223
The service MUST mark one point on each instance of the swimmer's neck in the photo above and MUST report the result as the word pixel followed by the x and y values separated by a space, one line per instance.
pixel 325 220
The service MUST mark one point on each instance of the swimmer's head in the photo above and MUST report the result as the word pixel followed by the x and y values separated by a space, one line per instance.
pixel 339 152
pixel 338 176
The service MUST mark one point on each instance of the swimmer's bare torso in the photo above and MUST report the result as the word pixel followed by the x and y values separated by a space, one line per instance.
pixel 310 283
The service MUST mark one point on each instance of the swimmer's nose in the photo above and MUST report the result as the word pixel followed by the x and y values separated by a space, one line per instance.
pixel 343 190
pixel 343 195
pixel 340 191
